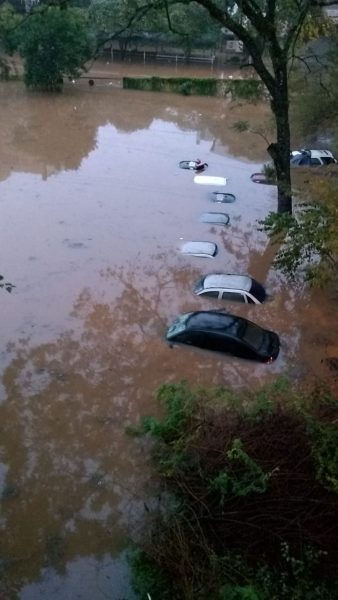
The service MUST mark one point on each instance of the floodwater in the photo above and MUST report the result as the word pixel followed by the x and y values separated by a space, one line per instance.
pixel 94 210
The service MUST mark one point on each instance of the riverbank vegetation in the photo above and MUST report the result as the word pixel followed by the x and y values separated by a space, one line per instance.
pixel 251 90
pixel 250 496
pixel 307 240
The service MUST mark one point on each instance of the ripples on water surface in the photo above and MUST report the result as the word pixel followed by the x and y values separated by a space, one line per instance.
pixel 93 212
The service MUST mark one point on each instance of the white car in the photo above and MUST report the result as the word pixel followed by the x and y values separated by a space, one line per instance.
pixel 240 288
pixel 300 158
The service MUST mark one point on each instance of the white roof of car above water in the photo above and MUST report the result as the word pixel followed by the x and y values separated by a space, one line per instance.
pixel 220 280
pixel 205 249
pixel 209 180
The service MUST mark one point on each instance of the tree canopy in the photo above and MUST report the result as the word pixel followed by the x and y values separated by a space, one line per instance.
pixel 54 43
pixel 9 20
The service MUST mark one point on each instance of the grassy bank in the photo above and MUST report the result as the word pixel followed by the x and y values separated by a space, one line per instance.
pixel 245 89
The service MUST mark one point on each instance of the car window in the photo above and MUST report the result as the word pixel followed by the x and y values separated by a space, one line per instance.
pixel 241 350
pixel 233 297
pixel 327 160
pixel 183 337
pixel 304 161
pixel 215 341
pixel 198 338
pixel 315 161
pixel 254 336
pixel 212 293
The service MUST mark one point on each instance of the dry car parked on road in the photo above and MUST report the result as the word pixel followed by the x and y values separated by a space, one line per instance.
pixel 312 158
pixel 223 332
pixel 241 288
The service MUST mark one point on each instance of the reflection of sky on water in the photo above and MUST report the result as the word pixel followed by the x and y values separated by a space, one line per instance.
pixel 85 579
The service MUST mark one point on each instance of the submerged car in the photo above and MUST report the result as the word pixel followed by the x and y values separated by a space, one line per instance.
pixel 209 180
pixel 241 288
pixel 223 332
pixel 222 197
pixel 194 165
pixel 300 158
pixel 262 178
pixel 202 249
pixel 215 218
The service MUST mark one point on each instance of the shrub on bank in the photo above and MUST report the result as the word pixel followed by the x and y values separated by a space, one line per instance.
pixel 251 507
pixel 241 89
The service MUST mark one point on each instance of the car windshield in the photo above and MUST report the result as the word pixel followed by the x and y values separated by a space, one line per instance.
pixel 213 321
pixel 199 285
pixel 258 291
pixel 178 325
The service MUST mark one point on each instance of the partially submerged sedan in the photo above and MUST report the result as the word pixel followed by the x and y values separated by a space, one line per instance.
pixel 223 332
pixel 241 288
pixel 202 249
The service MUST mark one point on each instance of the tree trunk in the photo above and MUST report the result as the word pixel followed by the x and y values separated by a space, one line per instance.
pixel 123 48
pixel 280 151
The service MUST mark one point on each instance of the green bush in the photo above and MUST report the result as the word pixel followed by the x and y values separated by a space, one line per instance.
pixel 178 85
pixel 246 89
pixel 239 470
pixel 54 43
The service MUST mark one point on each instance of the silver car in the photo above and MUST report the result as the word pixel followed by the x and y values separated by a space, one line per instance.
pixel 203 249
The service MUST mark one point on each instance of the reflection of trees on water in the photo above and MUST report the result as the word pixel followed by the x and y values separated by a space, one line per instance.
pixel 74 478
pixel 48 133
pixel 241 244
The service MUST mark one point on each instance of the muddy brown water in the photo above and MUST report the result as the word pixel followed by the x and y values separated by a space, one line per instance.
pixel 94 210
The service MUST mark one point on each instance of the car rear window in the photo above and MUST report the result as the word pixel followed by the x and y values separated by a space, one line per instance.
pixel 214 321
pixel 258 291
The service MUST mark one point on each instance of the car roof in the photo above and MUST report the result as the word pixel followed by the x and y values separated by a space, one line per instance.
pixel 319 153
pixel 217 321
pixel 312 153
pixel 221 280
pixel 199 248
pixel 209 180
pixel 215 218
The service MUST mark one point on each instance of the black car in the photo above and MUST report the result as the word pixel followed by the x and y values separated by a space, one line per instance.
pixel 220 331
